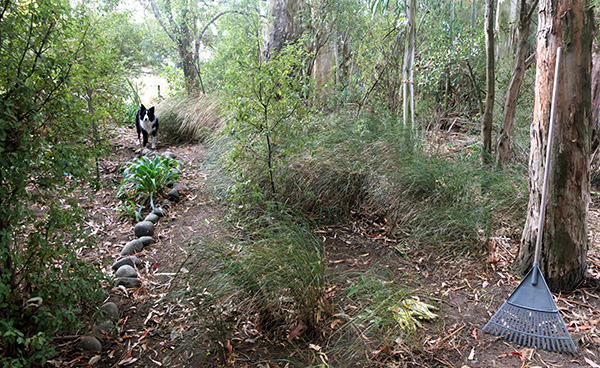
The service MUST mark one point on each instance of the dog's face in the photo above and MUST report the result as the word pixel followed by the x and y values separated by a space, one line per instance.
pixel 146 115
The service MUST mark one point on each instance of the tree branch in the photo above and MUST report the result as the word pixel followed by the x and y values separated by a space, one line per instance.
pixel 159 18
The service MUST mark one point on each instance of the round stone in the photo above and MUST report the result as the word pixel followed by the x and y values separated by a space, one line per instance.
pixel 152 217
pixel 147 240
pixel 105 327
pixel 128 282
pixel 126 271
pixel 133 247
pixel 90 343
pixel 144 228
pixel 168 154
pixel 180 186
pixel 159 212
pixel 173 194
pixel 111 310
pixel 131 260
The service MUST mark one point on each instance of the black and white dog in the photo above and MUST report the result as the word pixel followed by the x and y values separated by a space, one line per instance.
pixel 146 123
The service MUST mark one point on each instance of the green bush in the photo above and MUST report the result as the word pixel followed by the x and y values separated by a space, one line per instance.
pixel 146 178
pixel 45 155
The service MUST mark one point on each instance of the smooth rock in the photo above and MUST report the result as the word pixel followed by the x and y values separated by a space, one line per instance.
pixel 128 282
pixel 132 247
pixel 152 217
pixel 166 203
pixel 173 194
pixel 168 154
pixel 126 271
pixel 131 260
pixel 159 212
pixel 105 327
pixel 148 152
pixel 179 186
pixel 147 240
pixel 90 343
pixel 111 310
pixel 144 228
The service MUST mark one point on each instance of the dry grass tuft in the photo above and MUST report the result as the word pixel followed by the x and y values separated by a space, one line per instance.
pixel 190 119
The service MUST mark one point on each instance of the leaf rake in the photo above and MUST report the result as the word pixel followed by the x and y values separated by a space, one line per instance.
pixel 530 317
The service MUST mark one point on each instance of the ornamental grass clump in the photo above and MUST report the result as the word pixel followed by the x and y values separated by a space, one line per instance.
pixel 146 178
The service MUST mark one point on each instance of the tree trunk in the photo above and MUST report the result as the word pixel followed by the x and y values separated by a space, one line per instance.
pixel 503 150
pixel 473 13
pixel 488 115
pixel 408 92
pixel 186 56
pixel 565 242
pixel 286 25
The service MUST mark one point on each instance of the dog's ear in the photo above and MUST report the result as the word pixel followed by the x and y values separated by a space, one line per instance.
pixel 142 107
pixel 151 110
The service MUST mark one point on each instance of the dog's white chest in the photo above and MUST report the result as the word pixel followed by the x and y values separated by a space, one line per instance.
pixel 147 125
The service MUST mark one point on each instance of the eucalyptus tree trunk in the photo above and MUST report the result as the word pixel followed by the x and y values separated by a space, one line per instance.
pixel 176 23
pixel 522 63
pixel 488 114
pixel 286 24
pixel 408 92
pixel 565 242
pixel 473 13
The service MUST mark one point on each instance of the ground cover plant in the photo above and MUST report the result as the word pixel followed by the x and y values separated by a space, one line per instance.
pixel 145 178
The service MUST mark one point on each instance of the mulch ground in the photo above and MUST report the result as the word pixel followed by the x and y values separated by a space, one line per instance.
pixel 467 289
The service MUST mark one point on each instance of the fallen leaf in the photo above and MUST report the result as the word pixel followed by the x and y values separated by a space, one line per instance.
pixel 516 353
pixel 127 361
pixel 475 334
pixel 592 364
pixel 337 322
pixel 472 354
pixel 93 360
pixel 301 326
pixel 314 347
pixel 155 362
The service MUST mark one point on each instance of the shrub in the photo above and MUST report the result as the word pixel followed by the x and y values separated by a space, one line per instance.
pixel 44 156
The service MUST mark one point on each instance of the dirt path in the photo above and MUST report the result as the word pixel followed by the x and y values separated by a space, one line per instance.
pixel 466 289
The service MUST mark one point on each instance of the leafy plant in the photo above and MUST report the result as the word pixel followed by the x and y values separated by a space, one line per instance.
pixel 44 128
pixel 146 178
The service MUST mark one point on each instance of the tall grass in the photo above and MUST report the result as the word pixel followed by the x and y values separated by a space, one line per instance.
pixel 366 167
pixel 188 119
pixel 273 276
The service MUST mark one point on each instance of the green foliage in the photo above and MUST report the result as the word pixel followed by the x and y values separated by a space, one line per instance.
pixel 451 71
pixel 47 119
pixel 146 178
pixel 449 200
pixel 266 100
pixel 388 315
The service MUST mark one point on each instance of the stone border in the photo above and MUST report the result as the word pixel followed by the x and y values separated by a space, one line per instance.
pixel 125 268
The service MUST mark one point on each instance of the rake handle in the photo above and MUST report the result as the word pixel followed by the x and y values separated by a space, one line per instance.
pixel 547 169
